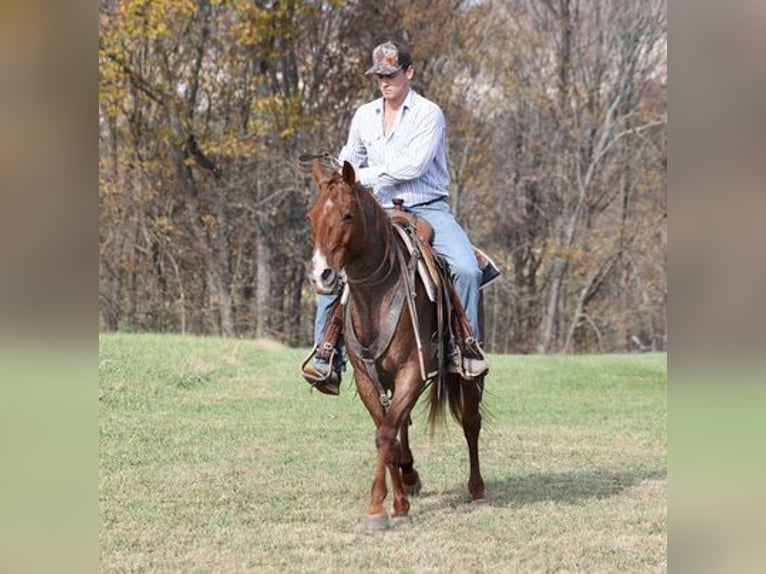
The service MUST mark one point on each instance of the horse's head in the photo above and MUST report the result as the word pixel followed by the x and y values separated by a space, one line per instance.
pixel 337 223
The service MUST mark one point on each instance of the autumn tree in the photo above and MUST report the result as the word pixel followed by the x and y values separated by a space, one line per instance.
pixel 204 108
pixel 556 119
pixel 574 152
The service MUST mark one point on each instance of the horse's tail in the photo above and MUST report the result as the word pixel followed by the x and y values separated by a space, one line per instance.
pixel 455 393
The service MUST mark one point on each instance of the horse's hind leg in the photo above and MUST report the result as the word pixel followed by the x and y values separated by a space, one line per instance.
pixel 410 477
pixel 472 391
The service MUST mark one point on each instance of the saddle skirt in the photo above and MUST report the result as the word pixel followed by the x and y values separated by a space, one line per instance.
pixel 407 226
pixel 427 270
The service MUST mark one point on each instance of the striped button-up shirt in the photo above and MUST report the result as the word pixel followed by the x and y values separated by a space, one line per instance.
pixel 409 163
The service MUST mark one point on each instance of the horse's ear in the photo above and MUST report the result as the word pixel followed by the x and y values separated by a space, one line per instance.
pixel 349 175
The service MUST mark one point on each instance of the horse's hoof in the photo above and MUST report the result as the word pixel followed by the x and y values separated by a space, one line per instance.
pixel 377 523
pixel 479 501
pixel 413 489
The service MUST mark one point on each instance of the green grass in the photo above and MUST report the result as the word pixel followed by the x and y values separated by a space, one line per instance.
pixel 216 457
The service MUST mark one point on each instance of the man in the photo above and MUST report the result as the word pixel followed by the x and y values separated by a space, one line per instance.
pixel 398 146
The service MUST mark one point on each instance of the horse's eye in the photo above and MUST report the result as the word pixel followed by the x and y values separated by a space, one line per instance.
pixel 346 217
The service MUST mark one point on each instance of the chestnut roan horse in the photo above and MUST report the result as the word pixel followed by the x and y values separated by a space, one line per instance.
pixel 352 232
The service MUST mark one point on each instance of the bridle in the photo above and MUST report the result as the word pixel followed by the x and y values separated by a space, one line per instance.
pixel 386 265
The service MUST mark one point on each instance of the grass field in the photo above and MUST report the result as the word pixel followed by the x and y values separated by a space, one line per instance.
pixel 216 457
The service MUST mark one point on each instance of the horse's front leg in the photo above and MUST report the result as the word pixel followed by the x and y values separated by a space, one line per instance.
pixel 404 478
pixel 390 453
pixel 389 458
pixel 377 519
pixel 385 441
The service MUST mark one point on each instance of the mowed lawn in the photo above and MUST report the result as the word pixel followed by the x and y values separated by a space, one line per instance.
pixel 216 457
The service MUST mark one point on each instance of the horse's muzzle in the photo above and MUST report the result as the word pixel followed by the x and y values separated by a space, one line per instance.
pixel 325 280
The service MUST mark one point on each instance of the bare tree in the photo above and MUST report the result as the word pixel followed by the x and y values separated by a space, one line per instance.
pixel 556 116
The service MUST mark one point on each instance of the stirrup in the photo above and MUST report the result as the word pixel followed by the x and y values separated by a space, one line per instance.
pixel 329 384
pixel 475 360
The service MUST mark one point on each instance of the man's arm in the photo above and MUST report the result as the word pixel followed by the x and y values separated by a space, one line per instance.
pixel 354 151
pixel 410 161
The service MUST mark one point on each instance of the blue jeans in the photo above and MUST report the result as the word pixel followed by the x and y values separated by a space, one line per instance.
pixel 452 243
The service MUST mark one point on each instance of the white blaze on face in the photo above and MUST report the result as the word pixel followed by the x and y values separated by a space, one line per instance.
pixel 322 275
pixel 318 266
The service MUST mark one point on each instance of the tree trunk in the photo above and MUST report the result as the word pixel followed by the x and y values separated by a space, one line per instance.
pixel 262 285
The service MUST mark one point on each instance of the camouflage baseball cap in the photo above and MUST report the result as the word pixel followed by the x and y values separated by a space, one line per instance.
pixel 389 58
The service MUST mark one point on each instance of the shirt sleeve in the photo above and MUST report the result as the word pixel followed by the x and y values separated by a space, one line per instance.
pixel 354 151
pixel 410 159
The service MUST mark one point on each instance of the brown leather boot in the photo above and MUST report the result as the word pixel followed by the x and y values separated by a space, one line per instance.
pixel 468 367
pixel 321 369
pixel 468 359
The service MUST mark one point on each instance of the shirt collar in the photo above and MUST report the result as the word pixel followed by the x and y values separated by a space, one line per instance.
pixel 409 100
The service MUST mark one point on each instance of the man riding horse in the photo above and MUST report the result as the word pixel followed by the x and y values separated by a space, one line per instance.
pixel 398 147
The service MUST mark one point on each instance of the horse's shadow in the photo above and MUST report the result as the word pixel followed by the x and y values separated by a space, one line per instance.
pixel 571 487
